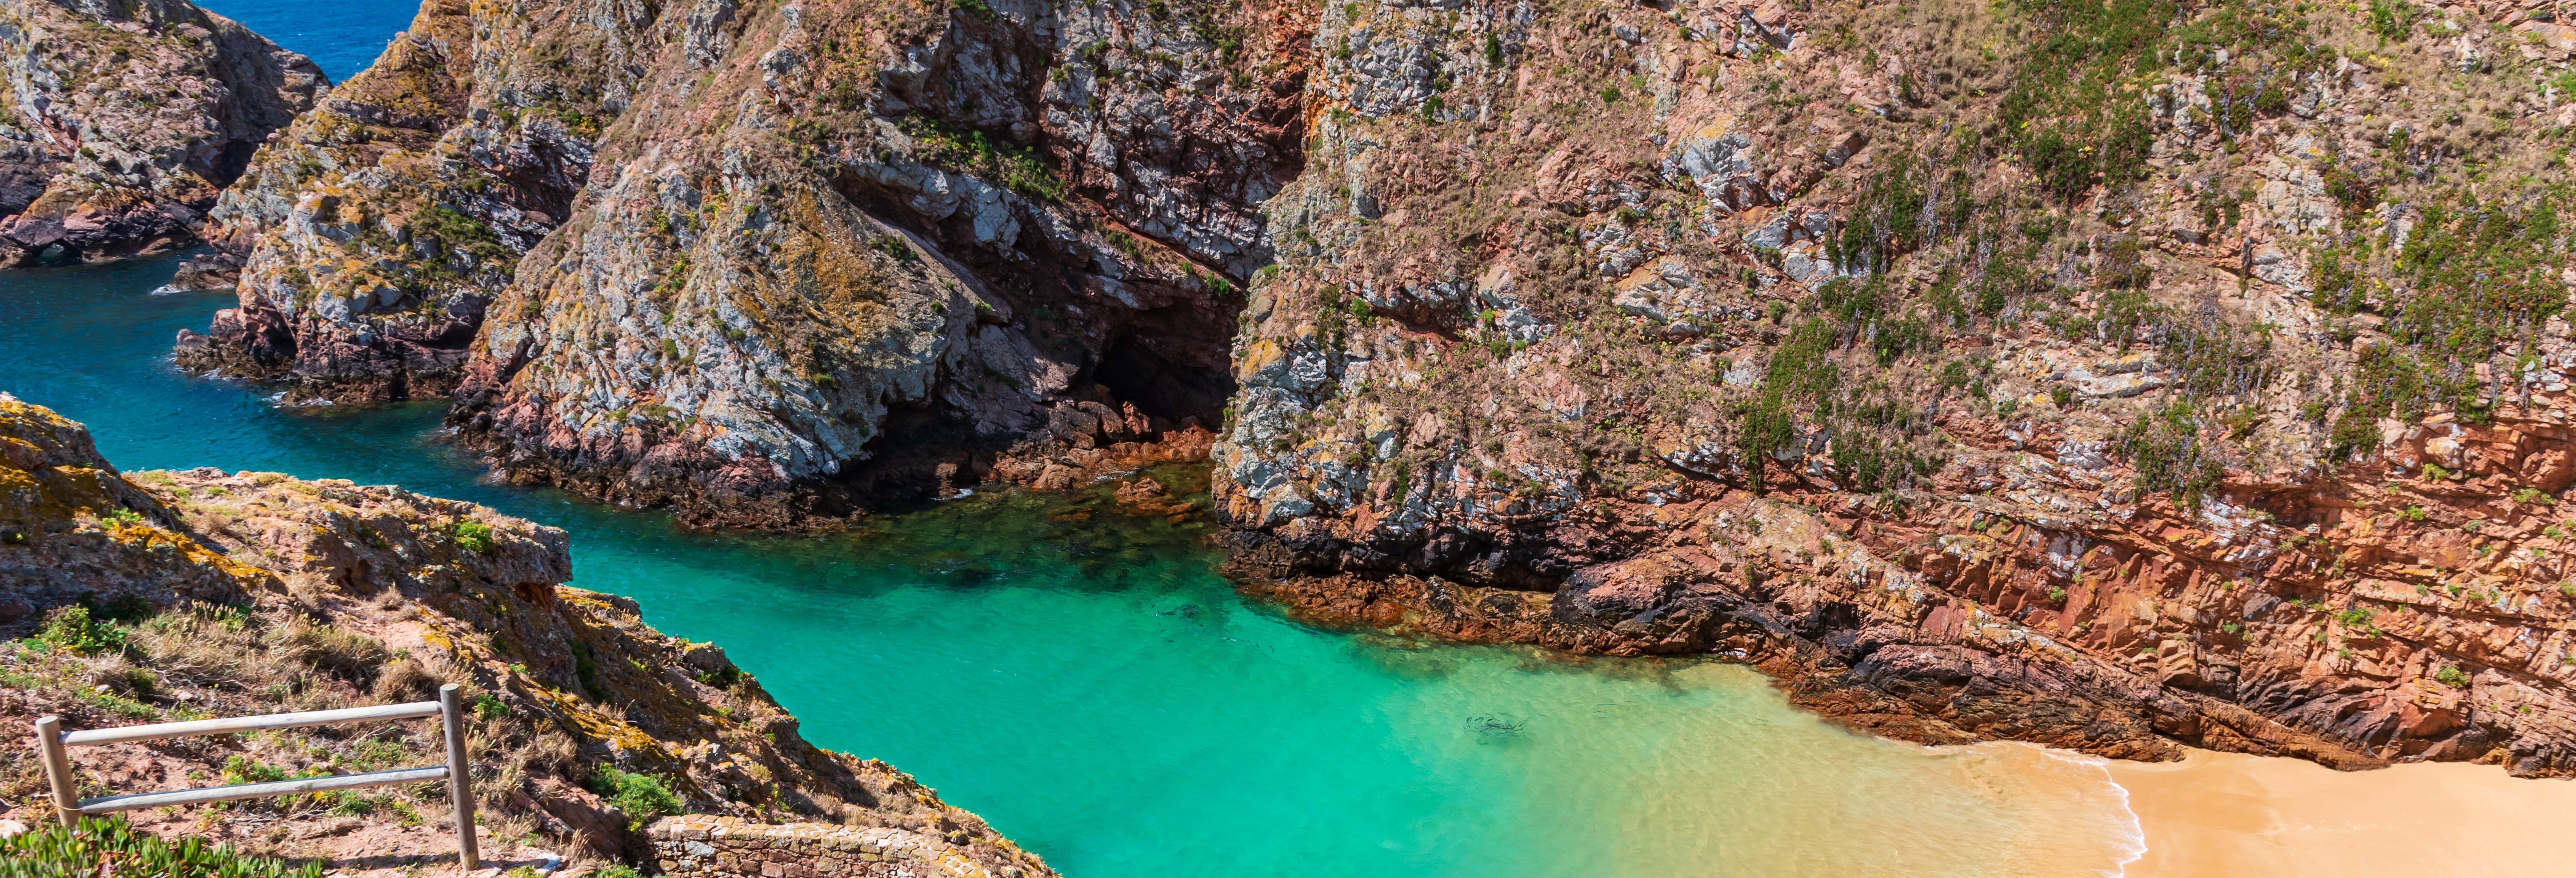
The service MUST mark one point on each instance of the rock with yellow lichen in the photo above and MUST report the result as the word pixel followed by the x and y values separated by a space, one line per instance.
pixel 367 240
pixel 126 118
pixel 244 593
pixel 841 254
pixel 72 528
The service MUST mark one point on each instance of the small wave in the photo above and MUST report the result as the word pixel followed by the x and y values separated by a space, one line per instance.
pixel 166 290
pixel 2134 845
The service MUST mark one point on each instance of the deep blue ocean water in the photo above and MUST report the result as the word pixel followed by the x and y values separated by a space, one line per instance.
pixel 343 36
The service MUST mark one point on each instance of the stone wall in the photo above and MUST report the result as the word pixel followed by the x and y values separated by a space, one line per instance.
pixel 701 846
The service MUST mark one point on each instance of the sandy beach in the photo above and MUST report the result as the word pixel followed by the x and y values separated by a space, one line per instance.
pixel 2224 814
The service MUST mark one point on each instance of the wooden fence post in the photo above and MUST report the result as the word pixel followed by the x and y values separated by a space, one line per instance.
pixel 460 780
pixel 452 714
pixel 58 770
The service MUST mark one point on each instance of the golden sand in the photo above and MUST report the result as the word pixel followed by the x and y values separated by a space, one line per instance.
pixel 2225 814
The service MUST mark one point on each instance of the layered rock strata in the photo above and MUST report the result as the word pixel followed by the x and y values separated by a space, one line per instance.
pixel 247 593
pixel 2105 376
pixel 125 119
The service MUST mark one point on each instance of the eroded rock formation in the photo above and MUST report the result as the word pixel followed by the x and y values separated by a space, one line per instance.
pixel 821 260
pixel 125 119
pixel 374 233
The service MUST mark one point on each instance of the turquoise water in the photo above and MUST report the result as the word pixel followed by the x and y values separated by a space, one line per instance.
pixel 1086 682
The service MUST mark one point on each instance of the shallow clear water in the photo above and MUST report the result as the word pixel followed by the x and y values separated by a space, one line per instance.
pixel 1086 681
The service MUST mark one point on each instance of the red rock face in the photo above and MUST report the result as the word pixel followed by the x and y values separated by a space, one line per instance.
pixel 2321 616
pixel 1845 342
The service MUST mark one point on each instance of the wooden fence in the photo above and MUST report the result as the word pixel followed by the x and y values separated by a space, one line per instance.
pixel 54 743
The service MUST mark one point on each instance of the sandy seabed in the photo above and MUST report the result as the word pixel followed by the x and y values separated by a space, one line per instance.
pixel 2226 814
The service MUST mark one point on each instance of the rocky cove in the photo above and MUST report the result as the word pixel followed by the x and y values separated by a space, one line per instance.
pixel 2152 429
pixel 2118 377
pixel 1070 668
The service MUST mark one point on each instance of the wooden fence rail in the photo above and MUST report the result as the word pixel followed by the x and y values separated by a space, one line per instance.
pixel 53 742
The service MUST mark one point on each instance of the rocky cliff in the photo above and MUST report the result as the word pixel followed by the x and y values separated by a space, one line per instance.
pixel 154 596
pixel 2104 375
pixel 712 256
pixel 369 239
pixel 2107 375
pixel 125 119
pixel 822 265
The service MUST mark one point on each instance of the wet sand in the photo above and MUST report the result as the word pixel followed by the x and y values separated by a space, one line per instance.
pixel 2225 814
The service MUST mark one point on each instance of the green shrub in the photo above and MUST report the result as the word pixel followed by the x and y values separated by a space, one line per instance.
pixel 71 629
pixel 103 847
pixel 458 231
pixel 1017 168
pixel 2452 676
pixel 2170 455
pixel 474 536
pixel 487 707
pixel 2392 19
pixel 642 796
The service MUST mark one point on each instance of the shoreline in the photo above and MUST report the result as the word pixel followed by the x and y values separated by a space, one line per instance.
pixel 2219 814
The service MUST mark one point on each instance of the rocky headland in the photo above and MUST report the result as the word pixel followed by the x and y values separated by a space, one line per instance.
pixel 126 118
pixel 166 595
pixel 2113 376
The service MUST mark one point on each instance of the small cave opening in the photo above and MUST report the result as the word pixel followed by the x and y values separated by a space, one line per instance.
pixel 233 161
pixel 1169 377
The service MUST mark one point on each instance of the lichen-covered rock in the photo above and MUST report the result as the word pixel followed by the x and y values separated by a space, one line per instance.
pixel 125 118
pixel 72 528
pixel 820 265
pixel 373 233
